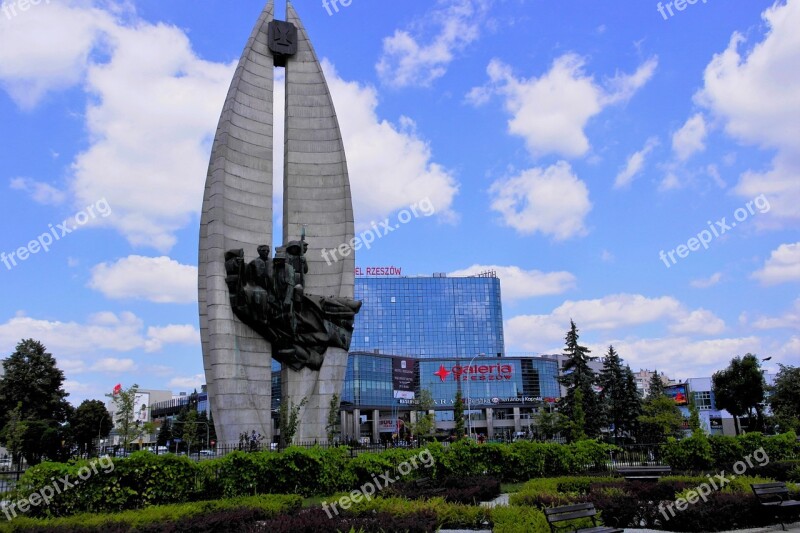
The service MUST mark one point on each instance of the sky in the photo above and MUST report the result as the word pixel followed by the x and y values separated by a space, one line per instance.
pixel 629 165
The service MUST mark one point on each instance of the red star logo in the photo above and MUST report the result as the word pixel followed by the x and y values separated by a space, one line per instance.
pixel 442 373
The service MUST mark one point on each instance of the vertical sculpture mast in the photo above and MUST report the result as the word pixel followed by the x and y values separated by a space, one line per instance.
pixel 237 214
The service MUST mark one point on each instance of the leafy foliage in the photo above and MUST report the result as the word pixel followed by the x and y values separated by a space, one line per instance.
pixel 740 388
pixel 90 421
pixel 33 399
pixel 785 398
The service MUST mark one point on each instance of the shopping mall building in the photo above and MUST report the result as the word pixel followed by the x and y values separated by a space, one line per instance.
pixel 441 334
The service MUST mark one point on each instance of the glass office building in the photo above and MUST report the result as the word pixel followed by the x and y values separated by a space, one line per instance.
pixel 429 317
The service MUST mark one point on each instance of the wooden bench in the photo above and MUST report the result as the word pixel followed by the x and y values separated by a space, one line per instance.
pixel 776 496
pixel 556 515
pixel 644 473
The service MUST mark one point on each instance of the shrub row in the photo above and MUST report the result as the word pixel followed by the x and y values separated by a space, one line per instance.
pixel 469 490
pixel 626 504
pixel 718 452
pixel 145 479
pixel 223 515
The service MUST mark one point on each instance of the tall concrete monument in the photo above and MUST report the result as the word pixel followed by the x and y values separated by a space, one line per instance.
pixel 297 307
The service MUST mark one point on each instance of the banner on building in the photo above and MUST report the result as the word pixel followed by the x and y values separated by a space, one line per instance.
pixel 403 378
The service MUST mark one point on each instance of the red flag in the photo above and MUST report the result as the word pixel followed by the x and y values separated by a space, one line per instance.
pixel 118 388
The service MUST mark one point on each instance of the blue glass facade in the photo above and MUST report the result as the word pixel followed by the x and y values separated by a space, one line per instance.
pixel 429 317
pixel 484 381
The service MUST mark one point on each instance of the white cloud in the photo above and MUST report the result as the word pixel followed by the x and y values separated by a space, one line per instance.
pixel 700 322
pixel 406 62
pixel 683 357
pixel 42 193
pixel 783 266
pixel 691 138
pixel 551 201
pixel 188 383
pixel 152 91
pixel 48 48
pixel 519 284
pixel 541 333
pixel 607 257
pixel 756 94
pixel 110 365
pixel 705 283
pixel 157 279
pixel 157 337
pixel 379 151
pixel 790 319
pixel 105 331
pixel 551 112
pixel 635 164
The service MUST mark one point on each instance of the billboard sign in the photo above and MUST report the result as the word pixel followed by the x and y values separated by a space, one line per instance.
pixel 679 393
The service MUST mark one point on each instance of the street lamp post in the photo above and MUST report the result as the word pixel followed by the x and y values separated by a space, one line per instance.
pixel 469 398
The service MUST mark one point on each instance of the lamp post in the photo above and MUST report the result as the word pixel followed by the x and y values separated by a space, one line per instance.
pixel 469 398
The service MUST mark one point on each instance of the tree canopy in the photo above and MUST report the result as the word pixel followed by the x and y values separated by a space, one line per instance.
pixel 740 388
pixel 785 398
pixel 33 408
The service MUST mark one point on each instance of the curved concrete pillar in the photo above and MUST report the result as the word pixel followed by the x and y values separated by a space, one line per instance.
pixel 237 213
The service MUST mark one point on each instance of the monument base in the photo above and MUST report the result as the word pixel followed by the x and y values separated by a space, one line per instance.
pixel 317 389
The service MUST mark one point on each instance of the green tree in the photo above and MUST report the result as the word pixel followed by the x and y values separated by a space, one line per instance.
pixel 289 420
pixel 740 389
pixel 660 419
pixel 578 375
pixel 578 421
pixel 91 421
pixel 165 435
pixel 633 403
pixel 14 433
pixel 547 424
pixel 458 415
pixel 333 417
pixel 33 386
pixel 425 423
pixel 656 388
pixel 125 410
pixel 618 395
pixel 785 398
pixel 189 433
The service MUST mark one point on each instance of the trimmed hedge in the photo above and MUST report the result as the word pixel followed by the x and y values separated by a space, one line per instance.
pixel 145 479
pixel 167 517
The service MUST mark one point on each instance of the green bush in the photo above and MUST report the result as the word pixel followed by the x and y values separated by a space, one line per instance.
pixel 513 519
pixel 269 506
pixel 725 450
pixel 449 515
pixel 780 447
pixel 114 485
pixel 692 453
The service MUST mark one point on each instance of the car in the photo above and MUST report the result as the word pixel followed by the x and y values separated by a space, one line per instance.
pixel 207 453
pixel 5 463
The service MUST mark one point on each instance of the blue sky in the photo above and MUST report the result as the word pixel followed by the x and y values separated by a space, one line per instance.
pixel 562 144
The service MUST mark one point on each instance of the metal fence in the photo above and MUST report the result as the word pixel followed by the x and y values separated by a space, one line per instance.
pixel 9 477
